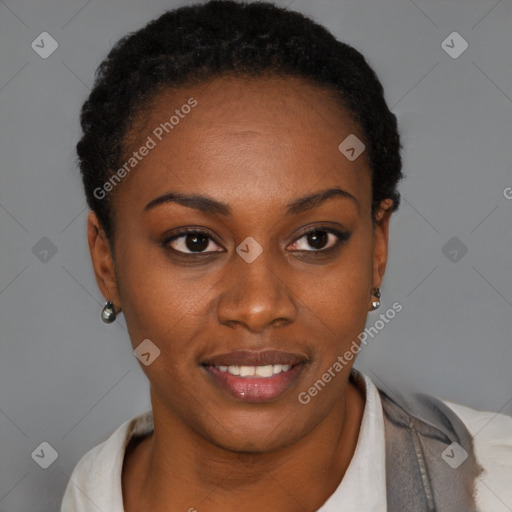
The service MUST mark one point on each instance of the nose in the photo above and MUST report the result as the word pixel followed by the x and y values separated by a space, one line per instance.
pixel 256 296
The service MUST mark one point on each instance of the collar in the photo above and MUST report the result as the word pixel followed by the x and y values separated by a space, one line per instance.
pixel 364 485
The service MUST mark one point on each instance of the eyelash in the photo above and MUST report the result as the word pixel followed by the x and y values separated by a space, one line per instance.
pixel 340 235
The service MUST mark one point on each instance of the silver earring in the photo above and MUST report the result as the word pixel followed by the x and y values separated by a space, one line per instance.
pixel 108 314
pixel 376 303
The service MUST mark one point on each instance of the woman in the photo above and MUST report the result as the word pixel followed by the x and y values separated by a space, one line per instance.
pixel 241 166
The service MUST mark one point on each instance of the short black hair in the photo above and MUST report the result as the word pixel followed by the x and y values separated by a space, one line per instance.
pixel 198 42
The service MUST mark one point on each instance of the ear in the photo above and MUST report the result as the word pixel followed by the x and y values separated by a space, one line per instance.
pixel 380 242
pixel 102 260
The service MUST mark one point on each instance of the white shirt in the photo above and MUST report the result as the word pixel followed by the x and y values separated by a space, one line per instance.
pixel 95 483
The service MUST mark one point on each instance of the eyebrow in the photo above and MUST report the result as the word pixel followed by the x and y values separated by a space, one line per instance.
pixel 212 206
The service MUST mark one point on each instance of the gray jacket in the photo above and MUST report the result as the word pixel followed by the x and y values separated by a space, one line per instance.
pixel 418 430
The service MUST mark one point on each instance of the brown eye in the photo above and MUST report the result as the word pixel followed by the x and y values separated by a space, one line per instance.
pixel 319 239
pixel 190 242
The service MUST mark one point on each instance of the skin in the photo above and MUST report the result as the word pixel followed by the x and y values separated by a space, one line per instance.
pixel 255 145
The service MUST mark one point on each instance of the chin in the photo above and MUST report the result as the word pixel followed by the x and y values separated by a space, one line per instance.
pixel 256 435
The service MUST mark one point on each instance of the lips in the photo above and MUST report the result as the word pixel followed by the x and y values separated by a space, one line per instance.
pixel 255 376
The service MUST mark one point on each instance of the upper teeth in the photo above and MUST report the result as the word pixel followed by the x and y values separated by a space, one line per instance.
pixel 261 371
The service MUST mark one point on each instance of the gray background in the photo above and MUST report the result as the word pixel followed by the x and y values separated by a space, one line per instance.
pixel 69 380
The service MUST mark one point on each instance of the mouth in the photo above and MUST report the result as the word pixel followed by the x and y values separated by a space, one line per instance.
pixel 255 376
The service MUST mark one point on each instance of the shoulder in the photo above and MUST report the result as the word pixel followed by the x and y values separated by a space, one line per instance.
pixel 492 444
pixel 96 479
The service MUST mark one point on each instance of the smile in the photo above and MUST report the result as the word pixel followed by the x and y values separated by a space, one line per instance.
pixel 257 371
pixel 255 376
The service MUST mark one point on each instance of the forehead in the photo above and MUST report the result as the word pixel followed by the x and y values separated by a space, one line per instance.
pixel 243 140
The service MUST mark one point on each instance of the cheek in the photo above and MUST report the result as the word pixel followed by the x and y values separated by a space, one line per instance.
pixel 159 301
pixel 339 299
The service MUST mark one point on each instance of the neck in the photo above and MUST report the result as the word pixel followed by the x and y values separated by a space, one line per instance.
pixel 195 474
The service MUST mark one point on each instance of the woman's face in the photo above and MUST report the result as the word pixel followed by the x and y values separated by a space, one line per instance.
pixel 251 162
